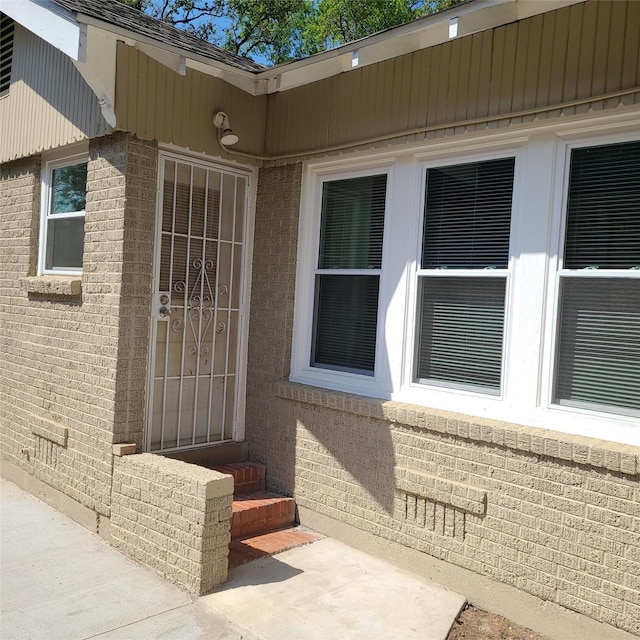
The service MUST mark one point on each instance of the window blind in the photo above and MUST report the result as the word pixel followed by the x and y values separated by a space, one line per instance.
pixel 352 223
pixel 467 225
pixel 346 304
pixel 598 361
pixel 346 322
pixel 603 208
pixel 468 215
pixel 598 337
pixel 461 329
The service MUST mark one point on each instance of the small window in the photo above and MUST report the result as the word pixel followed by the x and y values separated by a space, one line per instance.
pixel 63 219
pixel 462 280
pixel 347 277
pixel 598 337
pixel 6 52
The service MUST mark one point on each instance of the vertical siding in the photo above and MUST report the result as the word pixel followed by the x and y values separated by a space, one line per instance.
pixel 573 53
pixel 48 105
pixel 156 103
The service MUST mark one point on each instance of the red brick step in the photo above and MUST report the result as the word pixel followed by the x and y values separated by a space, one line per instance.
pixel 260 512
pixel 261 524
pixel 243 550
pixel 248 477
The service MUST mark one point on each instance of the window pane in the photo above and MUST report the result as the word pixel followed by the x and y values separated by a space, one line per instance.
pixel 352 223
pixel 468 215
pixel 460 330
pixel 603 208
pixel 598 359
pixel 69 188
pixel 346 318
pixel 65 243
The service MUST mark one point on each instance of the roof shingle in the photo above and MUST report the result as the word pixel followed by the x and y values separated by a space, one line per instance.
pixel 125 17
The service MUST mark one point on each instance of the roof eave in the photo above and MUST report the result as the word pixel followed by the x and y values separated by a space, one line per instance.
pixel 472 17
pixel 51 23
pixel 178 59
pixel 67 31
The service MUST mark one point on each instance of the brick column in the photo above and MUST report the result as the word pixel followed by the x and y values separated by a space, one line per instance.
pixel 174 518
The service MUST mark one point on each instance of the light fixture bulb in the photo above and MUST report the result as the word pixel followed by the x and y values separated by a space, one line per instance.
pixel 225 133
pixel 228 137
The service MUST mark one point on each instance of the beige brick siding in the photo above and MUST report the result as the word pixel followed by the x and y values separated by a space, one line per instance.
pixel 271 323
pixel 77 362
pixel 174 517
pixel 554 516
pixel 135 292
pixel 19 211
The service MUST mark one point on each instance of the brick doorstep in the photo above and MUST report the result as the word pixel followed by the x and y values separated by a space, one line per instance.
pixel 248 477
pixel 262 523
pixel 242 550
pixel 260 512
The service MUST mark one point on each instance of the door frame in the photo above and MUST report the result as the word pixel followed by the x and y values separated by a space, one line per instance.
pixel 251 174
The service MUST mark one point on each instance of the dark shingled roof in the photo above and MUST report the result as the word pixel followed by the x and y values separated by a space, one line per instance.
pixel 125 17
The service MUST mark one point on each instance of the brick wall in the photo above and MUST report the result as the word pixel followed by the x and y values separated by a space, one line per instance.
pixel 74 360
pixel 553 516
pixel 19 210
pixel 174 518
pixel 271 322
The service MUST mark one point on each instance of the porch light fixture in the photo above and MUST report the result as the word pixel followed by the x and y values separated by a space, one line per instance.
pixel 225 133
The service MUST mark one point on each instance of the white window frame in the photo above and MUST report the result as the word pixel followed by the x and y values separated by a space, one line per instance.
pixel 541 152
pixel 590 415
pixel 308 245
pixel 502 152
pixel 60 159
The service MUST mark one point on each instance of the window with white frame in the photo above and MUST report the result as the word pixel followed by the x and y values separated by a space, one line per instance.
pixel 63 214
pixel 463 275
pixel 347 277
pixel 597 361
pixel 490 279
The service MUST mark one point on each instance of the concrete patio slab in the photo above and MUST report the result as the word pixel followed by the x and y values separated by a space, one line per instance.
pixel 328 590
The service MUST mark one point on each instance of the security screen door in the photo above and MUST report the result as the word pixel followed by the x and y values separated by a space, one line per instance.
pixel 196 305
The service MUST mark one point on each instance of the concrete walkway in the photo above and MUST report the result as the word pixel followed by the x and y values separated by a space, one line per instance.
pixel 58 581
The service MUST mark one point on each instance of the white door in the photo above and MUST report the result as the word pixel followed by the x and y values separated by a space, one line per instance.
pixel 197 302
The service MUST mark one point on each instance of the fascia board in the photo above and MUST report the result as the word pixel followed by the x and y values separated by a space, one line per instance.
pixel 168 55
pixel 68 32
pixel 427 32
pixel 50 22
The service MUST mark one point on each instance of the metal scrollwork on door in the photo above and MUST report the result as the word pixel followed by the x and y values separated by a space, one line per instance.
pixel 200 306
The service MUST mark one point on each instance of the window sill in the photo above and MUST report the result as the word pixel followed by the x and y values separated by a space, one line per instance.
pixel 572 448
pixel 53 285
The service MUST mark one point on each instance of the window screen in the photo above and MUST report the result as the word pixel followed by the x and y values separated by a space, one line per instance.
pixel 461 329
pixel 599 342
pixel 346 321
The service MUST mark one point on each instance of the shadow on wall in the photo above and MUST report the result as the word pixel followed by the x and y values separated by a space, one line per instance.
pixel 80 108
pixel 348 455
